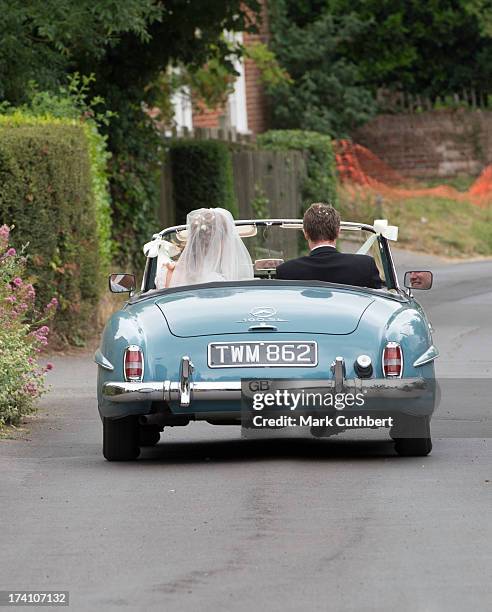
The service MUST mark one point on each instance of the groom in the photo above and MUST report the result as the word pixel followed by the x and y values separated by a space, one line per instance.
pixel 324 263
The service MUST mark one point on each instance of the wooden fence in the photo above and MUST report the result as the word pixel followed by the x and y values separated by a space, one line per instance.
pixel 267 184
pixel 400 101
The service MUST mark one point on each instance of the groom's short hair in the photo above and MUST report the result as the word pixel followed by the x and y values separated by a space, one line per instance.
pixel 321 222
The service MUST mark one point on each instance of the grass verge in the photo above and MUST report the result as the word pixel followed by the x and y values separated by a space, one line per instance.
pixel 428 224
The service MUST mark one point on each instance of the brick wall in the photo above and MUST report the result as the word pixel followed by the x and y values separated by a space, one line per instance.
pixel 256 102
pixel 204 117
pixel 431 144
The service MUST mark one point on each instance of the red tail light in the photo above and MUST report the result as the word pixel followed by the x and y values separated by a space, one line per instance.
pixel 133 364
pixel 392 359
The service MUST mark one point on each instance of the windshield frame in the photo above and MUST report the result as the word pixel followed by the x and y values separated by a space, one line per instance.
pixel 386 257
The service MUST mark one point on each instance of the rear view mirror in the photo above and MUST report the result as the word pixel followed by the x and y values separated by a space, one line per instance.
pixel 418 279
pixel 121 283
pixel 267 264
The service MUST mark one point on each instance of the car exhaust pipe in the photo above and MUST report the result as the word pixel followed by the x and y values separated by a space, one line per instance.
pixel 157 418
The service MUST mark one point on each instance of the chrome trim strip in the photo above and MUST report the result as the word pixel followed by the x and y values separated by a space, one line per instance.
pixel 343 224
pixel 101 361
pixel 185 372
pixel 123 392
pixel 391 388
pixel 430 354
pixel 338 369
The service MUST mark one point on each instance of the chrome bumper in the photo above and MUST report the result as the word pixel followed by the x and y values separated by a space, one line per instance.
pixel 168 391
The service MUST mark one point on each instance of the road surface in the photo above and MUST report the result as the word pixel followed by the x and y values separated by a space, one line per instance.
pixel 207 521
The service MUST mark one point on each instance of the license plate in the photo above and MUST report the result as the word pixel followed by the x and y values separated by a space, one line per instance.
pixel 262 354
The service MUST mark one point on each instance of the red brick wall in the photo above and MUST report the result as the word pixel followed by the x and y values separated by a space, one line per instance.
pixel 431 144
pixel 207 118
pixel 256 102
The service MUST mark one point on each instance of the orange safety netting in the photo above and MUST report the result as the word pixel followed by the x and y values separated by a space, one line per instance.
pixel 357 165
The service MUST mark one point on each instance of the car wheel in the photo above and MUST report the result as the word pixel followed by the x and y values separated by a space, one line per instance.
pixel 149 435
pixel 417 441
pixel 120 439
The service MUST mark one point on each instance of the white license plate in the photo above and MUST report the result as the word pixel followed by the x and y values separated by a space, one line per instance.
pixel 262 354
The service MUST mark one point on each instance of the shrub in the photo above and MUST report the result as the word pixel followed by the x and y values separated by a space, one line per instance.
pixel 73 102
pixel 320 184
pixel 48 193
pixel 202 176
pixel 23 332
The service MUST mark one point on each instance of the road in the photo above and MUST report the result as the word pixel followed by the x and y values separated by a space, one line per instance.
pixel 207 521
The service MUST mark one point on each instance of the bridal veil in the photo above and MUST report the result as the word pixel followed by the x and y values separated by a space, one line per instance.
pixel 214 250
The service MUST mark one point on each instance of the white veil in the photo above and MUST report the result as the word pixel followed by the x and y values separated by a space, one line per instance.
pixel 214 250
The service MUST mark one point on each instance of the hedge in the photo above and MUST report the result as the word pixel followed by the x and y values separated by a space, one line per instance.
pixel 202 176
pixel 320 184
pixel 48 190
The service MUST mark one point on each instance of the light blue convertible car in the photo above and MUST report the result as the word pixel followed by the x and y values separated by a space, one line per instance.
pixel 175 355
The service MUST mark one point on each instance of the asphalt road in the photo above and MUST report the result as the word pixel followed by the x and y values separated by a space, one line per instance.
pixel 207 521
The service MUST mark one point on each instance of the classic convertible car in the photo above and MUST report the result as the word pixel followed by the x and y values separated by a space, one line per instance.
pixel 175 355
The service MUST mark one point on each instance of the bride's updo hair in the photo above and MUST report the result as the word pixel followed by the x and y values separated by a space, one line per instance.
pixel 203 225
pixel 214 250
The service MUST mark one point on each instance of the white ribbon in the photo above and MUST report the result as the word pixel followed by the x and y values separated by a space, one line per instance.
pixel 381 227
pixel 162 248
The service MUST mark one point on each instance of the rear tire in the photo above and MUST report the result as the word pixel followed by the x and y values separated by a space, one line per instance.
pixel 120 439
pixel 417 441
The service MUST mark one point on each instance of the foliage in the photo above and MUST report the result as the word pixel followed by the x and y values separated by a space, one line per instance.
pixel 202 176
pixel 271 73
pixel 73 102
pixel 260 205
pixel 320 184
pixel 326 91
pixel 341 52
pixel 47 192
pixel 40 39
pixel 23 333
pixel 127 46
pixel 431 48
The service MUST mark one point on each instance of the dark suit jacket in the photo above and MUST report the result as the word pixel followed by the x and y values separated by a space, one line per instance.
pixel 327 264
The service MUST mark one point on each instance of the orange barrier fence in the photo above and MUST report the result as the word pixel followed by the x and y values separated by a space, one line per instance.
pixel 357 165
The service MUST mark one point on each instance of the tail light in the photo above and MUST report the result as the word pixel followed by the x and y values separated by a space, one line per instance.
pixel 392 360
pixel 133 364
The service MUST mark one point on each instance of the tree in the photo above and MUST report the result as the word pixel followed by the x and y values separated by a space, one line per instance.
pixel 435 48
pixel 327 91
pixel 126 44
pixel 341 52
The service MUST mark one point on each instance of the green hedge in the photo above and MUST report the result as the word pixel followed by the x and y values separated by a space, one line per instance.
pixel 202 176
pixel 320 184
pixel 47 190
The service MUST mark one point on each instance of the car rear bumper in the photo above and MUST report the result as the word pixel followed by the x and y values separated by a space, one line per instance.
pixel 408 394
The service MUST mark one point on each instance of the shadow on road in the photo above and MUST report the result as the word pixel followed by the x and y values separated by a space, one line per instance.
pixel 221 451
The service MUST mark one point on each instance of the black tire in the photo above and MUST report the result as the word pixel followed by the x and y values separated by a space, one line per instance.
pixel 417 441
pixel 149 435
pixel 120 439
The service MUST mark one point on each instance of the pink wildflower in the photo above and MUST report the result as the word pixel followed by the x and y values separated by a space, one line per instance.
pixel 49 366
pixel 4 231
pixel 11 252
pixel 30 293
pixel 11 299
pixel 53 303
pixel 17 281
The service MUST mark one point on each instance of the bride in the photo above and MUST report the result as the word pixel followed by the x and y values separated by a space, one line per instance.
pixel 214 251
